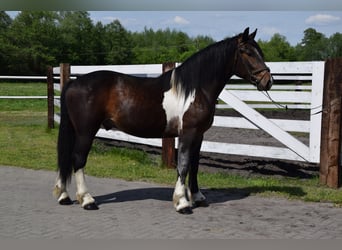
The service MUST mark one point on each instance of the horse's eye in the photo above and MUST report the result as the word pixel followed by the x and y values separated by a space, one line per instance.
pixel 246 51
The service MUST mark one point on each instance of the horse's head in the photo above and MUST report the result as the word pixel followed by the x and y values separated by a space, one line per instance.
pixel 249 63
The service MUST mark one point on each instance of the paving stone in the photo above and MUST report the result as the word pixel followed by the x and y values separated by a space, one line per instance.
pixel 138 210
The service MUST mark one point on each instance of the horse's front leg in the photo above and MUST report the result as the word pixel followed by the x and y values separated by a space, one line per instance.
pixel 181 195
pixel 197 198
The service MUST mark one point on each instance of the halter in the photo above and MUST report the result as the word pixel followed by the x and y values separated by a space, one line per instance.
pixel 252 73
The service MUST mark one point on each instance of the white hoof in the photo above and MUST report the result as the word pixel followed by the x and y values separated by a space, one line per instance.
pixel 61 195
pixel 85 199
pixel 181 200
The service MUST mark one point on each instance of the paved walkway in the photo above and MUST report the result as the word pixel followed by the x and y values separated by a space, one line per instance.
pixel 142 210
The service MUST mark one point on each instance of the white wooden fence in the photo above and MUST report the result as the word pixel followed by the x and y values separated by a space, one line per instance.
pixel 299 85
pixel 43 78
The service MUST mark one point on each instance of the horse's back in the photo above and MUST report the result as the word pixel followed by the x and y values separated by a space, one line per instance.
pixel 129 103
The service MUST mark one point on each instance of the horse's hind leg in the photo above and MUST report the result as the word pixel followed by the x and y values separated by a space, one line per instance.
pixel 81 151
pixel 82 194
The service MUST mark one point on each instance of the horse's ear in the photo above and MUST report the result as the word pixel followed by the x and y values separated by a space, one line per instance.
pixel 252 36
pixel 245 35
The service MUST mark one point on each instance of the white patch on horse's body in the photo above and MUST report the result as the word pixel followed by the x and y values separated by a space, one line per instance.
pixel 82 195
pixel 180 196
pixel 176 103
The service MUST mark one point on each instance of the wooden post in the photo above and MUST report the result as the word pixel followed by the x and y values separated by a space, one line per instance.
pixel 330 158
pixel 168 144
pixel 50 97
pixel 64 74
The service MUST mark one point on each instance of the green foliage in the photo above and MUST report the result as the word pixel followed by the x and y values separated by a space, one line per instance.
pixel 313 46
pixel 5 22
pixel 76 41
pixel 35 39
pixel 277 49
pixel 165 46
pixel 335 45
pixel 117 44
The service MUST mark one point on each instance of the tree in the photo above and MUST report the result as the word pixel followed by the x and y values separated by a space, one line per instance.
pixel 194 45
pixel 5 48
pixel 98 44
pixel 182 42
pixel 152 47
pixel 313 46
pixel 277 49
pixel 5 21
pixel 117 44
pixel 335 45
pixel 202 41
pixel 165 45
pixel 77 38
pixel 33 36
pixel 35 39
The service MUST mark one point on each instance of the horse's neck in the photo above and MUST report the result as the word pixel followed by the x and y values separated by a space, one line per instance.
pixel 216 69
pixel 207 71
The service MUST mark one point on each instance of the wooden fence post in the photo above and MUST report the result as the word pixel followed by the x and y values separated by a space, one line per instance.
pixel 50 97
pixel 330 158
pixel 64 74
pixel 168 144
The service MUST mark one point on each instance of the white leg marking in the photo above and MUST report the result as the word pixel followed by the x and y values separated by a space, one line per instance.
pixel 64 195
pixel 60 191
pixel 180 200
pixel 82 195
pixel 175 103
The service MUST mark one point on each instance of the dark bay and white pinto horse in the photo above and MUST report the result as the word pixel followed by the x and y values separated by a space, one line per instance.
pixel 180 102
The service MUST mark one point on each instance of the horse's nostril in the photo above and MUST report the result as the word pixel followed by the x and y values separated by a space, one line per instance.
pixel 269 83
pixel 254 80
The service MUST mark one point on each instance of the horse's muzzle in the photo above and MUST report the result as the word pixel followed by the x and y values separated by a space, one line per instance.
pixel 263 80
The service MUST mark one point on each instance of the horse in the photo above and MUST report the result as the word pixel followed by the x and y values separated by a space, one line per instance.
pixel 178 103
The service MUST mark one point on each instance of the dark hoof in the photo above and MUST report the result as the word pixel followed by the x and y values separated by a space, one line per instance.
pixel 186 210
pixel 66 201
pixel 91 206
pixel 203 203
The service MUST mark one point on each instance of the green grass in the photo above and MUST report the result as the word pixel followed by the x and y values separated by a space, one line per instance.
pixel 23 89
pixel 25 141
pixel 20 89
pixel 34 105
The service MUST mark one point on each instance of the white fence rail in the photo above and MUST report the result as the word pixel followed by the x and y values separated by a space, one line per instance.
pixel 298 85
pixel 43 78
pixel 23 77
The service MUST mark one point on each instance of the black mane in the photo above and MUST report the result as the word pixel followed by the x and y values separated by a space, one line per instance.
pixel 206 65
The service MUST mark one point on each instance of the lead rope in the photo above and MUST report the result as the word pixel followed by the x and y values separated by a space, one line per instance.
pixel 279 105
pixel 285 106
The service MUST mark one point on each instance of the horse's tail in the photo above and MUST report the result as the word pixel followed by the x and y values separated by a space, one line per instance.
pixel 66 140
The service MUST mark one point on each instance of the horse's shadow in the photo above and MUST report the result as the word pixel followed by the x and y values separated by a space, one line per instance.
pixel 213 195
